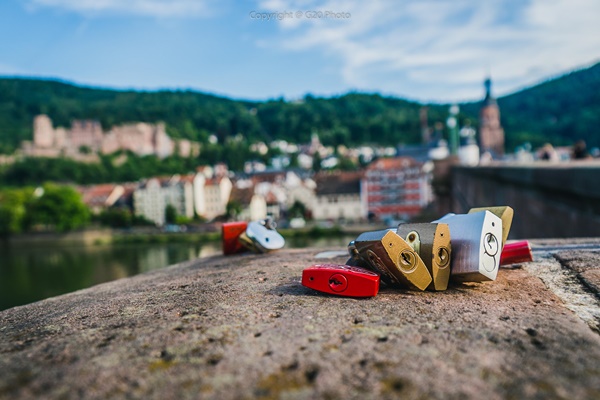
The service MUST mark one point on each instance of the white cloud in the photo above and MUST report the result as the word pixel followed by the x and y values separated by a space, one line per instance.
pixel 442 49
pixel 150 8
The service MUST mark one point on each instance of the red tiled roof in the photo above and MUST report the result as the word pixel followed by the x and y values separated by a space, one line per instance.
pixel 96 195
pixel 188 178
pixel 393 163
pixel 339 182
pixel 268 176
pixel 242 196
pixel 271 198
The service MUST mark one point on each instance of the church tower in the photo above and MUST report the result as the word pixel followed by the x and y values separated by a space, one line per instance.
pixel 491 134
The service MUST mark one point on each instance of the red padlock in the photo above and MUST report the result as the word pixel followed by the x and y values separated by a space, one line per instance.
pixel 516 252
pixel 231 232
pixel 341 280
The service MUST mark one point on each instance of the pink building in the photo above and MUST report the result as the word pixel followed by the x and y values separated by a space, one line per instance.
pixel 396 188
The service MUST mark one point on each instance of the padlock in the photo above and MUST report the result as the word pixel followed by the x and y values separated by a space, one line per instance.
pixel 341 280
pixel 505 213
pixel 389 255
pixel 248 243
pixel 476 241
pixel 230 233
pixel 264 236
pixel 432 243
pixel 516 252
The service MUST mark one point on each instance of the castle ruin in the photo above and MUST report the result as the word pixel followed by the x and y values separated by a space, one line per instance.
pixel 86 138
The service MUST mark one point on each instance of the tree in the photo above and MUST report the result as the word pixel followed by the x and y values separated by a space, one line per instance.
pixel 170 214
pixel 316 162
pixel 57 207
pixel 233 209
pixel 346 164
pixel 116 218
pixel 12 210
pixel 297 210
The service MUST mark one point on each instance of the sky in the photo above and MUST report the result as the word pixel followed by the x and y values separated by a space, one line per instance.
pixel 425 50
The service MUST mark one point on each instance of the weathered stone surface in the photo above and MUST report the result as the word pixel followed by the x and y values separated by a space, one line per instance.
pixel 586 264
pixel 244 327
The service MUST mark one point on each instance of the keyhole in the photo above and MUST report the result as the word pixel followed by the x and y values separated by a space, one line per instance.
pixel 338 283
pixel 334 282
pixel 444 257
pixel 490 244
pixel 405 258
pixel 407 261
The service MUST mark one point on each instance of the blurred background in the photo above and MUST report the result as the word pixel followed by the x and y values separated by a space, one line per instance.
pixel 130 131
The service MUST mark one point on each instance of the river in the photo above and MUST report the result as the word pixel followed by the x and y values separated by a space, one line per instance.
pixel 30 273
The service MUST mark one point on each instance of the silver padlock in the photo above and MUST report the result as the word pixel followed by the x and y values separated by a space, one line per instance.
pixel 264 236
pixel 476 241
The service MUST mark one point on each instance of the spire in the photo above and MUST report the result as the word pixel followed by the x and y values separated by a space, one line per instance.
pixel 489 99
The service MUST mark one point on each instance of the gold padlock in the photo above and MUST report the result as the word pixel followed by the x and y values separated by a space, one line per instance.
pixel 396 261
pixel 432 243
pixel 248 243
pixel 505 213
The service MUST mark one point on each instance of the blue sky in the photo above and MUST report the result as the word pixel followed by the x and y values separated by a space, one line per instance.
pixel 428 50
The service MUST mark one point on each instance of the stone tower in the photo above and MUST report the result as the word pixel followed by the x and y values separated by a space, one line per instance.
pixel 491 134
pixel 43 132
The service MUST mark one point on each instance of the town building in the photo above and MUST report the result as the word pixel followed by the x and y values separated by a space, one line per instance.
pixel 338 196
pixel 491 134
pixel 178 192
pixel 253 206
pixel 149 202
pixel 98 198
pixel 397 188
pixel 152 197
pixel 281 189
pixel 212 190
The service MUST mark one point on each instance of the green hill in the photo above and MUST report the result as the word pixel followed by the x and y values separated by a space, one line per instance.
pixel 351 118
pixel 560 111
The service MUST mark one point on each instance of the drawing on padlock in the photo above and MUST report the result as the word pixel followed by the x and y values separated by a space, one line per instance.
pixel 341 280
pixel 396 261
pixel 230 234
pixel 264 236
pixel 505 213
pixel 476 245
pixel 432 244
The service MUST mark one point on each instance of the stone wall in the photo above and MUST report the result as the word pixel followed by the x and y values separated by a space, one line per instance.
pixel 550 200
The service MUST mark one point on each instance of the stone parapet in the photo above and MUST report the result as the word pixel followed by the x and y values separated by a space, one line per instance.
pixel 243 327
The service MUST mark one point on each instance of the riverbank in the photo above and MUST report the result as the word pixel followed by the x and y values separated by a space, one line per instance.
pixel 154 235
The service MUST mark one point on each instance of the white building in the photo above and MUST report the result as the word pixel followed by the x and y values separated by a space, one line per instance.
pixel 338 196
pixel 149 201
pixel 178 192
pixel 253 205
pixel 153 196
pixel 211 193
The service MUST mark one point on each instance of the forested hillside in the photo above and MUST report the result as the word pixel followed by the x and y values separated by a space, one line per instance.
pixel 560 111
pixel 351 118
